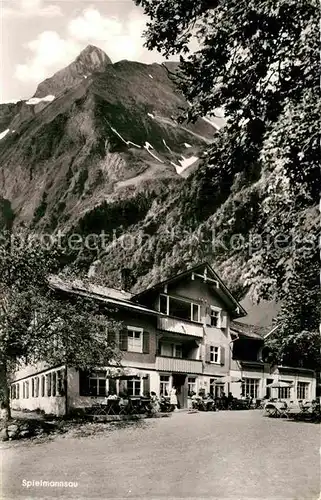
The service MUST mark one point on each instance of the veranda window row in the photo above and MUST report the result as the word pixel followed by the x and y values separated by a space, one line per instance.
pixel 98 385
pixel 51 384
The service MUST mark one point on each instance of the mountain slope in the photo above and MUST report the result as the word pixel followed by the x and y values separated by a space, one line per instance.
pixel 110 137
pixel 109 153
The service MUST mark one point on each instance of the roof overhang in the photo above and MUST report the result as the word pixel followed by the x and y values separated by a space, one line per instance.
pixel 108 301
pixel 295 369
pixel 240 334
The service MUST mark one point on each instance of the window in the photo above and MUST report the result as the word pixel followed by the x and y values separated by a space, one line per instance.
pixel 177 351
pixel 26 389
pixel 250 387
pixel 164 385
pixel 43 385
pixel 60 383
pixel 97 384
pixel 302 390
pixel 163 302
pixel 32 387
pixel 54 383
pixel 284 392
pixel 36 387
pixel 179 308
pixel 191 382
pixel 216 388
pixel 215 317
pixel 171 350
pixel 214 354
pixel 133 387
pixel 18 391
pixel 195 312
pixel 166 349
pixel 135 339
pixel 48 377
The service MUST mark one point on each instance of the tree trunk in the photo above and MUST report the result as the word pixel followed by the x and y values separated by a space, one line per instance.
pixel 5 383
pixel 66 390
pixel 7 392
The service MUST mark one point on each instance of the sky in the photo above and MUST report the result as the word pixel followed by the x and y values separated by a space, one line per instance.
pixel 39 37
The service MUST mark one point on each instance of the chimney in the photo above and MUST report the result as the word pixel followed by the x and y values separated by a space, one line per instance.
pixel 126 279
pixel 92 272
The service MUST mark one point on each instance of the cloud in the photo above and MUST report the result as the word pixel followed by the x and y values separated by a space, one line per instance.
pixel 91 25
pixel 31 9
pixel 120 39
pixel 50 52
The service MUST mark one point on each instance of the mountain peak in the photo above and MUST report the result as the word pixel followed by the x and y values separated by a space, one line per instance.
pixel 91 59
pixel 94 56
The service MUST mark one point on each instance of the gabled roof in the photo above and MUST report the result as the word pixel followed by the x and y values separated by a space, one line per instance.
pixel 77 284
pixel 109 296
pixel 222 290
pixel 252 331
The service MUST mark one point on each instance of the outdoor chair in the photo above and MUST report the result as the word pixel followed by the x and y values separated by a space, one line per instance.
pixel 271 410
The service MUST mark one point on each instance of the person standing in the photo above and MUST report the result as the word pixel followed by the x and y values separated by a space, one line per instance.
pixel 154 403
pixel 173 398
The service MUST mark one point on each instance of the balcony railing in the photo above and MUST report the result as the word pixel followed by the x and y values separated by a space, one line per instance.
pixel 178 365
pixel 180 326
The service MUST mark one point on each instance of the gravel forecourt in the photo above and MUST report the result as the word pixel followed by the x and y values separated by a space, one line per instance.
pixel 237 455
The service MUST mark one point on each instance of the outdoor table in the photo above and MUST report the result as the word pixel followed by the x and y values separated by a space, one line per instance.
pixel 276 409
pixel 134 405
pixel 110 407
pixel 145 405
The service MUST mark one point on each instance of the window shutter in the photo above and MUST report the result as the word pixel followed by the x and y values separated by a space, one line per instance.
pixel 112 386
pixel 122 386
pixel 223 319
pixel 112 338
pixel 124 340
pixel 83 383
pixel 146 342
pixel 208 353
pixel 222 360
pixel 146 386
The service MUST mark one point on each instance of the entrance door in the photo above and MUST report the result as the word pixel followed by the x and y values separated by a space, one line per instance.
pixel 179 382
pixel 268 389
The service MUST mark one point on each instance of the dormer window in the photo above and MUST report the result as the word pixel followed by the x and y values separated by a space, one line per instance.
pixel 179 308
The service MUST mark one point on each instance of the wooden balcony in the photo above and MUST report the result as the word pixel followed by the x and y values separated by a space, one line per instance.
pixel 180 326
pixel 178 365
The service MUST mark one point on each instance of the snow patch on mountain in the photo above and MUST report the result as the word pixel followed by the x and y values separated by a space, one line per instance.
pixel 148 148
pixel 4 133
pixel 167 146
pixel 186 162
pixel 187 145
pixel 136 145
pixel 124 140
pixel 151 115
pixel 150 76
pixel 36 100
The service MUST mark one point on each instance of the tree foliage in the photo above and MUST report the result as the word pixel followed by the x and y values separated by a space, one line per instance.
pixel 38 324
pixel 258 60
